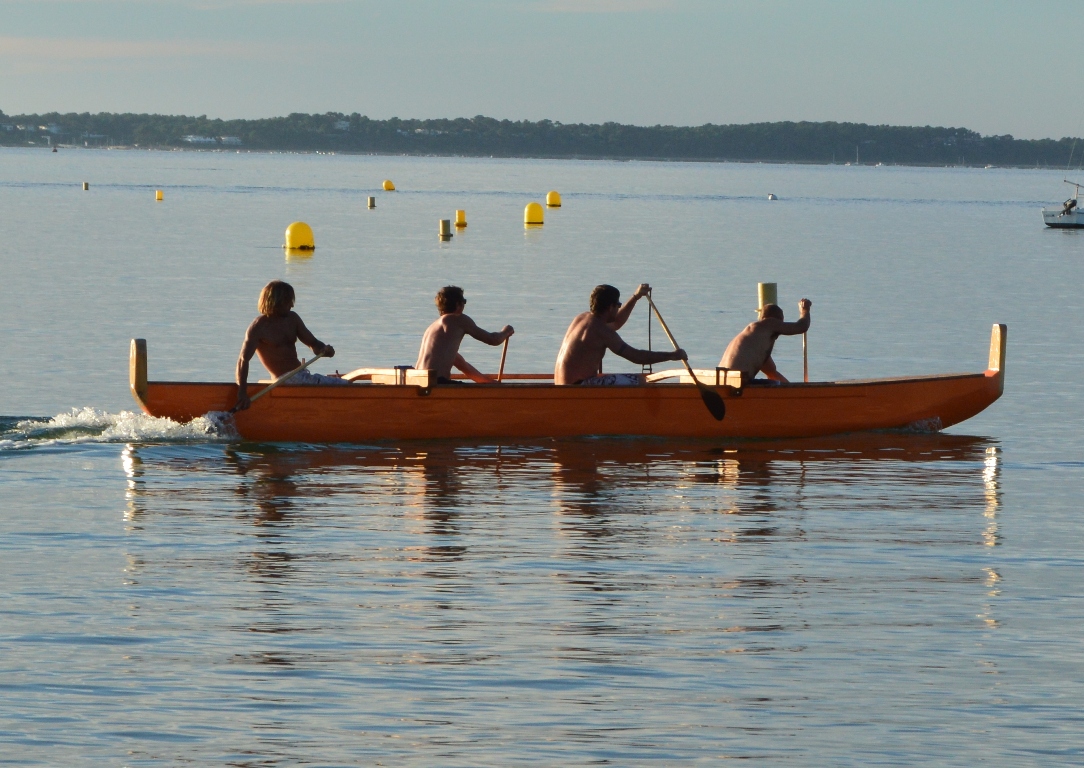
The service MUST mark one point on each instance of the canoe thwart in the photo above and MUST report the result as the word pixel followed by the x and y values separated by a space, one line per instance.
pixel 718 377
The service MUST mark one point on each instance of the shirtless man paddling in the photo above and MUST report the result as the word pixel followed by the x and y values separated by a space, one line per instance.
pixel 440 344
pixel 592 333
pixel 272 337
pixel 751 350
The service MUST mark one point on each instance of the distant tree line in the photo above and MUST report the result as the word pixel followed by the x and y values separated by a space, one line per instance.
pixel 801 142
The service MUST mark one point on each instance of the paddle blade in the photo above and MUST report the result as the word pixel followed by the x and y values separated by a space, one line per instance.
pixel 713 400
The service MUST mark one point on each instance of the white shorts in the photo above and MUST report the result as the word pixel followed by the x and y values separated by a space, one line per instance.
pixel 308 378
pixel 613 380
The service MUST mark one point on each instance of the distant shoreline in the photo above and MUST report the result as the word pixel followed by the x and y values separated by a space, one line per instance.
pixel 825 143
pixel 614 159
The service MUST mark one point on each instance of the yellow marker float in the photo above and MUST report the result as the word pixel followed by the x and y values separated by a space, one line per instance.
pixel 533 215
pixel 299 237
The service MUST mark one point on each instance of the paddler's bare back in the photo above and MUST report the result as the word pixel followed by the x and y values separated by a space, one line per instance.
pixel 275 339
pixel 749 349
pixel 440 343
pixel 584 346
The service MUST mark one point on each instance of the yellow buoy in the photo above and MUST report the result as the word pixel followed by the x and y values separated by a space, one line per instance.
pixel 553 199
pixel 299 237
pixel 388 186
pixel 767 293
pixel 460 219
pixel 158 195
pixel 532 215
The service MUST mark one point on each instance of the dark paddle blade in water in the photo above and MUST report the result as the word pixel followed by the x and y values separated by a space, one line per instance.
pixel 713 400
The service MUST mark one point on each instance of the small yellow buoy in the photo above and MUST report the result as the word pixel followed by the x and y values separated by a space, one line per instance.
pixel 388 186
pixel 299 237
pixel 158 195
pixel 86 186
pixel 460 219
pixel 372 202
pixel 532 215
pixel 767 293
pixel 445 229
pixel 553 199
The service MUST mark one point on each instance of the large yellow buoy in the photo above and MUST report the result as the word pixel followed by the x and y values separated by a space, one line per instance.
pixel 158 195
pixel 299 237
pixel 532 215
pixel 388 186
pixel 553 199
pixel 460 219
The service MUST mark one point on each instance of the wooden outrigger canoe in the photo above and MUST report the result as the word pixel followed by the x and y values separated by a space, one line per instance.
pixel 404 405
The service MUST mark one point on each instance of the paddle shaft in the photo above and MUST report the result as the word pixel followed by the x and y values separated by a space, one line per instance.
pixel 805 359
pixel 670 336
pixel 712 400
pixel 504 354
pixel 280 380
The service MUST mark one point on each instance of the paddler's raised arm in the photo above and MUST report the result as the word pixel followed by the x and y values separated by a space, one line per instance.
pixel 486 337
pixel 640 356
pixel 799 326
pixel 626 309
pixel 304 335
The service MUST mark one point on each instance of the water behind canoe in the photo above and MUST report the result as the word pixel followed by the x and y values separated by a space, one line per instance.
pixel 172 595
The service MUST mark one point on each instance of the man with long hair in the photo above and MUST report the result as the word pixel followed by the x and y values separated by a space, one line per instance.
pixel 272 337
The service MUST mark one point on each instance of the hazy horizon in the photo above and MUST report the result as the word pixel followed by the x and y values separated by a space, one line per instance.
pixel 984 66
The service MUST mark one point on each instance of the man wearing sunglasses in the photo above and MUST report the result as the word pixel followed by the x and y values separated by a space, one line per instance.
pixel 595 331
pixel 440 344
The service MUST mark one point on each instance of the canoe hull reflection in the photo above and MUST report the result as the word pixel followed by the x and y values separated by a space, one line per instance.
pixel 365 412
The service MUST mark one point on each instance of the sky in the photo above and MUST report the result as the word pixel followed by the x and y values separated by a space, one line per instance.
pixel 996 67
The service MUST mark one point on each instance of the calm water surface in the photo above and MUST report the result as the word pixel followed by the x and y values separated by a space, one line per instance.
pixel 172 597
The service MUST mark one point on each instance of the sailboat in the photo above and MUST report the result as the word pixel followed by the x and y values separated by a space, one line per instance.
pixel 1069 216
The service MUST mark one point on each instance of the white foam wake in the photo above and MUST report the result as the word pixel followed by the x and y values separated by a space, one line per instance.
pixel 90 425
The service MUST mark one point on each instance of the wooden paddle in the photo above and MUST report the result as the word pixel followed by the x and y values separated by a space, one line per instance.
pixel 805 359
pixel 504 354
pixel 712 399
pixel 280 380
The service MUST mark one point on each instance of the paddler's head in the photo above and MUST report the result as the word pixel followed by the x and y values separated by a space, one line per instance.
pixel 605 302
pixel 450 299
pixel 276 299
pixel 773 311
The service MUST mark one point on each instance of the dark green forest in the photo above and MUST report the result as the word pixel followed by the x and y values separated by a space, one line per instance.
pixel 787 142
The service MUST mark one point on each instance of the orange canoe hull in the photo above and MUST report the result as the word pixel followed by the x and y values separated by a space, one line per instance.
pixel 368 412
pixel 364 412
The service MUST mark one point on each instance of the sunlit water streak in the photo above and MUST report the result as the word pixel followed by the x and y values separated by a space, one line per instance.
pixel 171 595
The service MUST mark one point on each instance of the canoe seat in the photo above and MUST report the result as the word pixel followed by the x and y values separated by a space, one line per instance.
pixel 709 376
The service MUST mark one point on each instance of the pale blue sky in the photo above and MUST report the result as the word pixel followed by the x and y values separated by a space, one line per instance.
pixel 996 67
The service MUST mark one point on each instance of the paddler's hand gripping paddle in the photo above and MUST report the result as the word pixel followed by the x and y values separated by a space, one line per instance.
pixel 280 380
